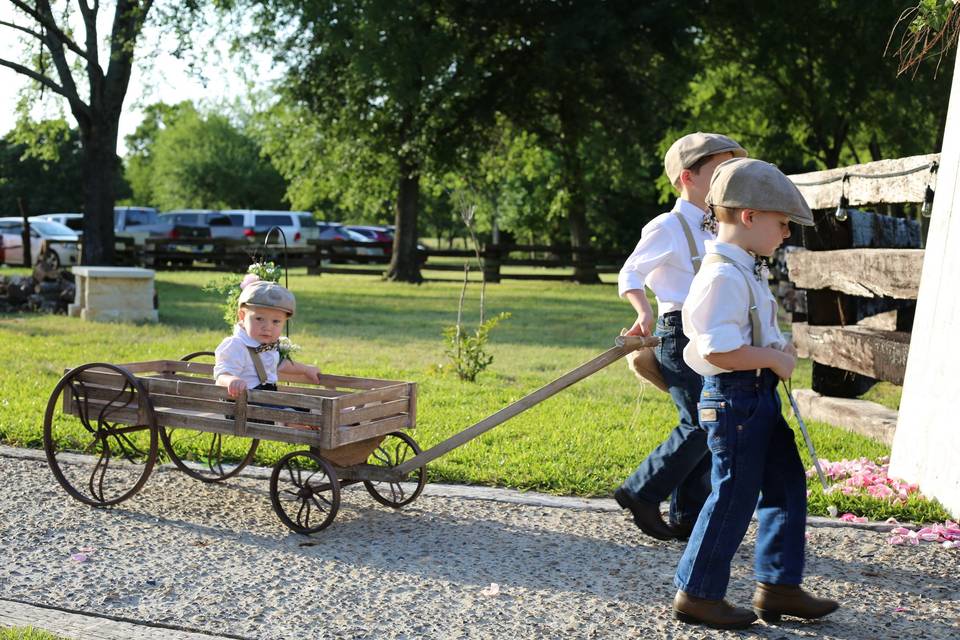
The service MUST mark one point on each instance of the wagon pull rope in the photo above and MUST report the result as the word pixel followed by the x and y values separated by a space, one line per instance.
pixel 624 345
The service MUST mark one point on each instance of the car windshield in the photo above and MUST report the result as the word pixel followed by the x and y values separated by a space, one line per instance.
pixel 306 220
pixel 50 228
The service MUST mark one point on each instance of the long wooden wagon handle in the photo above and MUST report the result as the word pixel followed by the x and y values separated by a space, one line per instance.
pixel 625 344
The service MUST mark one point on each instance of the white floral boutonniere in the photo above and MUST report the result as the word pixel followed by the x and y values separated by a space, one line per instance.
pixel 287 348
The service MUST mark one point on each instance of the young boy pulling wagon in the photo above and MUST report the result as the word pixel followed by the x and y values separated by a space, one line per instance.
pixel 730 318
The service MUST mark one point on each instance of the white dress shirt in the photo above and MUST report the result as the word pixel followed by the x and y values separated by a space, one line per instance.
pixel 662 259
pixel 234 359
pixel 716 317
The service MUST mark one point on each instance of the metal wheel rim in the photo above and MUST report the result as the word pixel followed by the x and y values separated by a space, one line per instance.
pixel 393 494
pixel 214 457
pixel 98 475
pixel 214 465
pixel 305 492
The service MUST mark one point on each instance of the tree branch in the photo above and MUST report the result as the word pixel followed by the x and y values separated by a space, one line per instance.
pixel 94 72
pixel 51 25
pixel 42 79
pixel 38 36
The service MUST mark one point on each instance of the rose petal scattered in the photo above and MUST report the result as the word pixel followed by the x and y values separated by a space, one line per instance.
pixel 78 557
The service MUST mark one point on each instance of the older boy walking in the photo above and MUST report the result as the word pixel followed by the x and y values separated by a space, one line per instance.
pixel 665 260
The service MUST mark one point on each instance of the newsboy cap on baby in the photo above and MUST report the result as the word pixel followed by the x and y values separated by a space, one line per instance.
pixel 745 183
pixel 685 152
pixel 264 293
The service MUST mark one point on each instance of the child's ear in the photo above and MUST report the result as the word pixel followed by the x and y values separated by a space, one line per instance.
pixel 746 217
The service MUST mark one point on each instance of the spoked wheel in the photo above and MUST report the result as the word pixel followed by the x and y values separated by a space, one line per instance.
pixel 305 492
pixel 100 434
pixel 397 447
pixel 200 454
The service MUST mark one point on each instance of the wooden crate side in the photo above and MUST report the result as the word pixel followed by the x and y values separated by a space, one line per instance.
pixel 354 433
pixel 354 383
pixel 180 403
pixel 214 424
pixel 373 412
pixel 393 392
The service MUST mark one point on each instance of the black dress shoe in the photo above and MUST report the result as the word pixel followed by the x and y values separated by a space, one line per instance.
pixel 646 515
pixel 682 530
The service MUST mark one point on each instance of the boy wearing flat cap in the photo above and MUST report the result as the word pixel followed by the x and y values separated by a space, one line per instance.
pixel 734 342
pixel 250 358
pixel 665 260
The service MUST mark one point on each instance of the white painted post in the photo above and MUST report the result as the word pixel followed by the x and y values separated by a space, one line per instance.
pixel 926 445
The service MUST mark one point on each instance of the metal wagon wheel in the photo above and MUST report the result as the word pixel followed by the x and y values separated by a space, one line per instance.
pixel 397 447
pixel 210 467
pixel 304 491
pixel 114 425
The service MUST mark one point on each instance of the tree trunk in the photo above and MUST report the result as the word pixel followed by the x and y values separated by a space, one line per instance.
pixel 584 270
pixel 100 168
pixel 404 265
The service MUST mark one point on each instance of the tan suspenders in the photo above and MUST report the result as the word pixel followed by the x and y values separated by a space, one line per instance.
pixel 713 258
pixel 258 365
pixel 695 256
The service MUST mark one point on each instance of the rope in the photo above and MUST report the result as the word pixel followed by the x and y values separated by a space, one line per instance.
pixel 932 166
pixel 638 405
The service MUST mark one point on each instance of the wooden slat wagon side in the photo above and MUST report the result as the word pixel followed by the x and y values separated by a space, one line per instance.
pixel 121 414
pixel 354 429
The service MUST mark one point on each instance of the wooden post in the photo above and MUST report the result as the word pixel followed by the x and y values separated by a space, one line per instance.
pixel 27 249
pixel 491 261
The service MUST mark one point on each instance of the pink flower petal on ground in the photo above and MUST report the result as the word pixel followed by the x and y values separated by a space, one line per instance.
pixel 860 519
pixel 87 550
pixel 848 517
pixel 900 531
pixel 951 544
pixel 492 590
pixel 896 540
pixel 78 557
pixel 929 537
pixel 900 609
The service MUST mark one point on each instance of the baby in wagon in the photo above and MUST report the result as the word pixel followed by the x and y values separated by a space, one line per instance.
pixel 250 358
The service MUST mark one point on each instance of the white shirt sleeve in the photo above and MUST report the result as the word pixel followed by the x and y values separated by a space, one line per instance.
pixel 718 311
pixel 655 247
pixel 231 358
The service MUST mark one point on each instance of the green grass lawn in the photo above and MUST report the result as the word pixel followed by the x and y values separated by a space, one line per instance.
pixel 583 441
pixel 26 633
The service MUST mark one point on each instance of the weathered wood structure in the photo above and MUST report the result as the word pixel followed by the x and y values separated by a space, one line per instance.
pixel 860 273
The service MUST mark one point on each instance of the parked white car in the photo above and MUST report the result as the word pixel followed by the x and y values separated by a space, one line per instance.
pixel 72 220
pixel 297 226
pixel 54 242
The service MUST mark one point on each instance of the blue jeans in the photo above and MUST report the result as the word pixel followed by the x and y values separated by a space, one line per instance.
pixel 680 466
pixel 754 456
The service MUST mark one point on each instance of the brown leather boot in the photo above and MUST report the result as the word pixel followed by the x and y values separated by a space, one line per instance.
pixel 771 601
pixel 718 614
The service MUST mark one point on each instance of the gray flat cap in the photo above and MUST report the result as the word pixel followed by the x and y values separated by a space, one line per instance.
pixel 264 293
pixel 683 153
pixel 745 183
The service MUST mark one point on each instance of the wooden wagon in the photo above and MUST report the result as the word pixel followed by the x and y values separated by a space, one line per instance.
pixel 118 416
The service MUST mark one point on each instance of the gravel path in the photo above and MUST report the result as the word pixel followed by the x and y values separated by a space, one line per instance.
pixel 215 559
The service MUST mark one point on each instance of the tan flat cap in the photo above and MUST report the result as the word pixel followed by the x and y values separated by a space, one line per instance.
pixel 745 183
pixel 264 293
pixel 685 152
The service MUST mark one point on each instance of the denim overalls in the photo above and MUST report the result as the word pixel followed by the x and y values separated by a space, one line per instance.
pixel 756 466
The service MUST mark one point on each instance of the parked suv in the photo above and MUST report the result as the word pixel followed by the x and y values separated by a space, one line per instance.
pixel 210 223
pixel 297 226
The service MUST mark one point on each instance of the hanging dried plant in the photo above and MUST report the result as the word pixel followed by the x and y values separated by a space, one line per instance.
pixel 927 30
